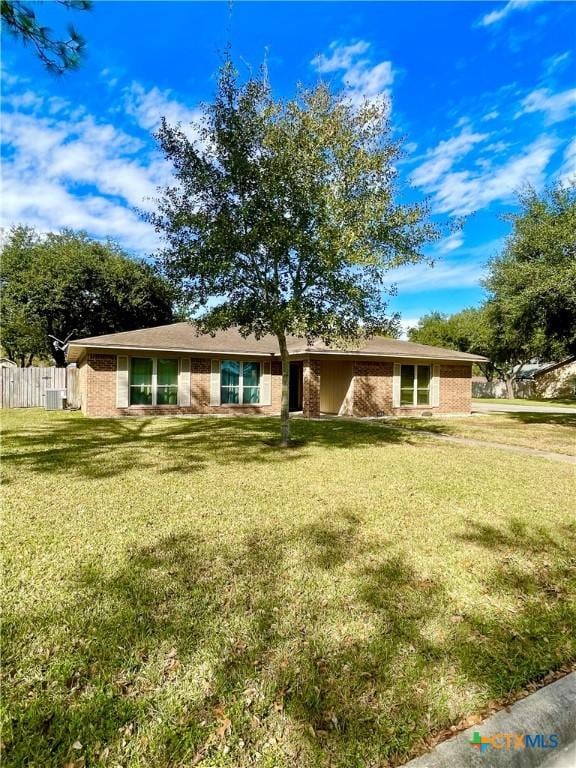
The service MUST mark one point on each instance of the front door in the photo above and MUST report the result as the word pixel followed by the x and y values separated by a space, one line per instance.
pixel 296 372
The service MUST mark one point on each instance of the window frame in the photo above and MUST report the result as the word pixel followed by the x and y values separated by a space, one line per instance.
pixel 415 388
pixel 240 386
pixel 154 383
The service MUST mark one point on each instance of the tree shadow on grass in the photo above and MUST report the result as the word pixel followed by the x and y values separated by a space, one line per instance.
pixel 196 648
pixel 561 419
pixel 536 631
pixel 100 448
pixel 304 648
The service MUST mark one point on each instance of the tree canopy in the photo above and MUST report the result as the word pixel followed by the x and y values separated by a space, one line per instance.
pixel 66 283
pixel 532 284
pixel 469 330
pixel 530 307
pixel 58 56
pixel 286 211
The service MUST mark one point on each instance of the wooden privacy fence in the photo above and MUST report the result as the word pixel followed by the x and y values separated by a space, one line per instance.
pixel 26 387
pixel 526 388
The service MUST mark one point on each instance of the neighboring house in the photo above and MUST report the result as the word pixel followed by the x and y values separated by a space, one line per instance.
pixel 556 379
pixel 172 369
pixel 545 380
pixel 6 363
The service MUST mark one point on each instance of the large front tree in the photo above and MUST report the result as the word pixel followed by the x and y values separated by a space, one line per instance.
pixel 65 283
pixel 286 212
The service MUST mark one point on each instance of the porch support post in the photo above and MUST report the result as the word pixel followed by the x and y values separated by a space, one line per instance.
pixel 311 388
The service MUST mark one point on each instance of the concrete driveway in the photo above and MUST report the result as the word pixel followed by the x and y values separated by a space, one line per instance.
pixel 497 407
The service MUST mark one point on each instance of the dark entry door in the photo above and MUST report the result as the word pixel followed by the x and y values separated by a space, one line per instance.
pixel 296 386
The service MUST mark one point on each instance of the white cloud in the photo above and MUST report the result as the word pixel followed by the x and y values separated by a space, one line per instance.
pixel 362 79
pixel 505 10
pixel 82 152
pixel 64 168
pixel 149 107
pixel 49 206
pixel 463 191
pixel 450 243
pixel 416 278
pixel 491 115
pixel 556 106
pixel 555 63
pixel 340 57
pixel 441 159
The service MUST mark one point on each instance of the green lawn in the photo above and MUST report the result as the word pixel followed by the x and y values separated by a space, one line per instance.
pixel 178 592
pixel 554 432
pixel 520 401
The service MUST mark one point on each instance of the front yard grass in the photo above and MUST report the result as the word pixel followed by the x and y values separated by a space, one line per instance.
pixel 554 432
pixel 177 592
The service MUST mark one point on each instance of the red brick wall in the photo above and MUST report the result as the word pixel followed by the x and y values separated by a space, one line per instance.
pixel 311 389
pixel 99 398
pixel 373 390
pixel 455 388
pixel 100 385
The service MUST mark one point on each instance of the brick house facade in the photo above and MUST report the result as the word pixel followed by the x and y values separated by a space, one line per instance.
pixel 371 386
pixel 173 369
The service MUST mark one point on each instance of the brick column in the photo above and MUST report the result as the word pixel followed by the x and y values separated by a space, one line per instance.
pixel 100 385
pixel 311 389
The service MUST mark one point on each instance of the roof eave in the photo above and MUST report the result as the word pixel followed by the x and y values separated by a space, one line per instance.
pixel 75 352
pixel 72 354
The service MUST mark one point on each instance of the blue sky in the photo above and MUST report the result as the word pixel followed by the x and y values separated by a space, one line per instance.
pixel 483 93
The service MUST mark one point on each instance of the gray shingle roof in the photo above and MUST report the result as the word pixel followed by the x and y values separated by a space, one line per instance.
pixel 183 337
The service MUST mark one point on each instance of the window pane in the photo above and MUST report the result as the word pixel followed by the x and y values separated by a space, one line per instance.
pixel 230 373
pixel 407 385
pixel 407 396
pixel 167 371
pixel 251 374
pixel 167 396
pixel 141 370
pixel 141 381
pixel 141 395
pixel 251 395
pixel 229 395
pixel 423 396
pixel 423 376
pixel 407 377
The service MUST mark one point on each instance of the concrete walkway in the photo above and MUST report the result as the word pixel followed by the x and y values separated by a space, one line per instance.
pixel 564 757
pixel 497 407
pixel 548 711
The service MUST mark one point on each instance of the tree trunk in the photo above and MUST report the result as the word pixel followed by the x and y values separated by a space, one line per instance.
pixel 59 357
pixel 509 379
pixel 285 403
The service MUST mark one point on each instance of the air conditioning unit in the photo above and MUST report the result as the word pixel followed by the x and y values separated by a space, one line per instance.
pixel 55 399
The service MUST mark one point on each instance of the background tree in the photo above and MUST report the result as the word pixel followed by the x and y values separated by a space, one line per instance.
pixel 67 283
pixel 58 56
pixel 532 284
pixel 530 309
pixel 469 330
pixel 286 212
